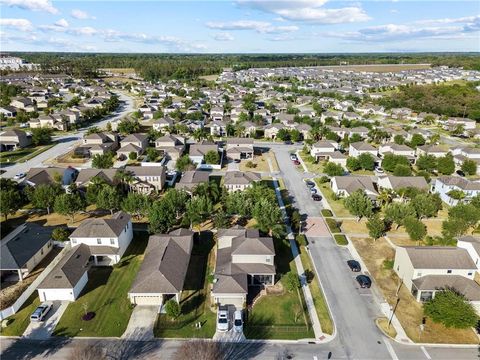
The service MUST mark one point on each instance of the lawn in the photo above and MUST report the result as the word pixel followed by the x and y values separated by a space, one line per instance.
pixel 340 239
pixel 336 204
pixel 311 164
pixel 409 311
pixel 282 315
pixel 19 322
pixel 260 163
pixel 333 225
pixel 106 295
pixel 21 155
pixel 195 301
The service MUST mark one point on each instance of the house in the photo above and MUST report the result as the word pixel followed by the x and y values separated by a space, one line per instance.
pixel 344 186
pixel 48 121
pixel 239 180
pixel 468 124
pixel 244 259
pixel 322 149
pixel 216 114
pixel 443 185
pixel 8 111
pixel 171 146
pixel 190 180
pixel 239 148
pixel 24 103
pixel 86 176
pixel 107 239
pixel 396 183
pixel 98 144
pixel 272 130
pixel 218 128
pixel 434 150
pixel 68 278
pixel 472 245
pixel 163 124
pixel 163 270
pixel 424 270
pixel 358 148
pixel 24 248
pixel 13 140
pixel 136 143
pixel 397 149
pixel 147 178
pixel 198 151
pixel 51 175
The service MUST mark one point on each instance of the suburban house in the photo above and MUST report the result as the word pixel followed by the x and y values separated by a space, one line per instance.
pixel 218 128
pixel 358 148
pixel 468 124
pixel 424 270
pixel 147 178
pixel 68 278
pixel 244 259
pixel 472 245
pixel 8 111
pixel 48 121
pixel 443 185
pixel 239 148
pixel 171 146
pixel 198 151
pixel 163 124
pixel 13 140
pixel 24 248
pixel 163 270
pixel 85 176
pixel 322 149
pixel 51 175
pixel 272 130
pixel 136 143
pixel 23 103
pixel 190 179
pixel 344 186
pixel 98 144
pixel 107 239
pixel 396 183
pixel 397 149
pixel 239 180
pixel 434 150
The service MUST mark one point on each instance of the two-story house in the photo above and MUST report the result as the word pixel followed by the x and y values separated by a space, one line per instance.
pixel 239 180
pixel 136 143
pixel 397 149
pixel 443 185
pixel 239 148
pixel 13 140
pixel 147 179
pixel 172 146
pixel 198 151
pixel 358 148
pixel 344 186
pixel 98 144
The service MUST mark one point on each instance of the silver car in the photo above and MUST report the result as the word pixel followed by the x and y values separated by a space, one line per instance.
pixel 41 312
pixel 237 321
pixel 222 320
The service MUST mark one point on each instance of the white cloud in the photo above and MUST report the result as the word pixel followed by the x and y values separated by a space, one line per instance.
pixel 34 5
pixel 223 36
pixel 17 24
pixel 258 26
pixel 62 23
pixel 311 11
pixel 80 14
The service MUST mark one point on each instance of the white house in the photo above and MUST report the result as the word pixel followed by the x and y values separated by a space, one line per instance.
pixel 397 149
pixel 358 148
pixel 444 184
pixel 344 186
pixel 472 245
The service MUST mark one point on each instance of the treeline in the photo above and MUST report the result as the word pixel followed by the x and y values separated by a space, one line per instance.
pixel 190 66
pixel 451 100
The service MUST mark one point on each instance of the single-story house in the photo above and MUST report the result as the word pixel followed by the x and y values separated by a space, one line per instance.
pixel 51 175
pixel 239 180
pixel 13 140
pixel 395 183
pixel 344 186
pixel 239 148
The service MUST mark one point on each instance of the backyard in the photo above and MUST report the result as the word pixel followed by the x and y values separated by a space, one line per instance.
pixel 106 295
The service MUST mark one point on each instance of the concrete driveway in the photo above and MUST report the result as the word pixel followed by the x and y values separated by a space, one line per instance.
pixel 140 326
pixel 43 330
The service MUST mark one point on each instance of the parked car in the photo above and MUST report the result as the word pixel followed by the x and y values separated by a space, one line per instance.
pixel 19 176
pixel 354 265
pixel 310 184
pixel 288 142
pixel 460 173
pixel 364 281
pixel 316 197
pixel 296 162
pixel 41 311
pixel 222 320
pixel 238 321
pixel 293 157
pixel 379 170
pixel 236 161
pixel 313 190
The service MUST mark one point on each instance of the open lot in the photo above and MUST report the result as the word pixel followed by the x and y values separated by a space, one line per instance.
pixel 106 295
pixel 260 163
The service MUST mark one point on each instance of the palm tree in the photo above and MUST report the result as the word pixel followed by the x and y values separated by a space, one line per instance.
pixel 385 197
pixel 125 178
pixel 239 130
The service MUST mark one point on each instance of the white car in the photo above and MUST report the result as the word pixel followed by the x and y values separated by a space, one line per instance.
pixel 379 170
pixel 237 321
pixel 41 311
pixel 222 320
pixel 293 157
pixel 19 176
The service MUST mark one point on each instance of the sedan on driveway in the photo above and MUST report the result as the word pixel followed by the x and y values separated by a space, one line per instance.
pixel 364 281
pixel 222 320
pixel 41 312
pixel 354 265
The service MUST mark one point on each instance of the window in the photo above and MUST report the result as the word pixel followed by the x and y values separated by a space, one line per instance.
pixel 470 274
pixel 268 259
pixel 99 241
pixel 112 241
pixel 41 252
pixel 449 271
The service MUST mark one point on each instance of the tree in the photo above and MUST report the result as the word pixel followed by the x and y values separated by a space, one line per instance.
pixel 332 169
pixel 184 163
pixel 198 209
pixel 359 204
pixel 161 217
pixel 397 212
pixel 446 165
pixel 417 140
pixel 426 205
pixel 454 227
pixel 415 228
pixel 451 309
pixel 385 197
pixel 102 161
pixel 172 308
pixel 132 155
pixel 353 164
pixel 10 202
pixel 469 167
pixel 376 226
pixel 296 220
pixel 43 196
pixel 212 157
pixel 136 204
pixel 426 162
pixel 366 160
pixel 221 220
pixel 268 215
pixel 390 161
pixel 41 136
pixel 60 234
pixel 467 212
pixel 283 134
pixel 152 154
pixel 291 281
pixel 108 198
pixel 402 170
pixel 295 135
pixel 69 205
pixel 126 127
pixel 399 139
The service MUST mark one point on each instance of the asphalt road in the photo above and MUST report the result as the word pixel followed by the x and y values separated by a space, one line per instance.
pixel 67 142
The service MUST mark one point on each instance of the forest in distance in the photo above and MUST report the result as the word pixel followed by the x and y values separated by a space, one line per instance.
pixel 190 66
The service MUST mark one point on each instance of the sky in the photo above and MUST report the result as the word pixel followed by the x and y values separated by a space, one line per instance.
pixel 240 26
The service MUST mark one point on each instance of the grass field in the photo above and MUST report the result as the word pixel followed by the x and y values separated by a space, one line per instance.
pixel 106 295
pixel 22 155
pixel 19 322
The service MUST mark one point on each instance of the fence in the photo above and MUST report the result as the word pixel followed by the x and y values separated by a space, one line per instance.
pixel 33 286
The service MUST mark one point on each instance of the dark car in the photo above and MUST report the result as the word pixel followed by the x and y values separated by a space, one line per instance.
pixel 316 197
pixel 296 162
pixel 288 142
pixel 354 265
pixel 237 161
pixel 460 173
pixel 310 184
pixel 364 281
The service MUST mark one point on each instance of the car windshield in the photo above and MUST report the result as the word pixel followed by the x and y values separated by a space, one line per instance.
pixel 222 321
pixel 238 322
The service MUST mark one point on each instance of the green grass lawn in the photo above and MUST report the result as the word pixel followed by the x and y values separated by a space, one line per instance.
pixel 19 322
pixel 311 164
pixel 11 157
pixel 106 295
pixel 333 225
pixel 195 301
pixel 340 239
pixel 336 205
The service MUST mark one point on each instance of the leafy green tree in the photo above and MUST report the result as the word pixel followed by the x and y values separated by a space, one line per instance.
pixel 198 209
pixel 427 163
pixel 60 234
pixel 102 161
pixel 402 170
pixel 454 227
pixel 267 214
pixel 446 165
pixel 172 309
pixel 332 169
pixel 283 134
pixel 366 160
pixel 399 139
pixel 296 220
pixel 132 155
pixel 126 127
pixel 426 205
pixel 467 212
pixel 136 204
pixel 398 212
pixel 376 226
pixel 469 167
pixel 238 203
pixel 295 135
pixel 359 204
pixel 390 161
pixel 415 228
pixel 451 309
pixel 353 164
pixel 10 202
pixel 152 154
pixel 109 198
pixel 184 164
pixel 417 140
pixel 212 157
pixel 43 197
pixel 221 220
pixel 41 136
pixel 291 281
pixel 69 205
pixel 160 217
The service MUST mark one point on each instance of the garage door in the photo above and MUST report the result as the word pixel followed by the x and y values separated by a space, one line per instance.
pixel 148 300
pixel 237 302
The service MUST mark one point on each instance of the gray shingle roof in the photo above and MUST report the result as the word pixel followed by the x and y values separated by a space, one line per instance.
pixel 469 288
pixel 445 257
pixel 102 228
pixel 240 177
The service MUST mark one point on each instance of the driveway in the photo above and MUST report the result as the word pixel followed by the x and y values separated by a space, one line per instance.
pixel 43 330
pixel 142 321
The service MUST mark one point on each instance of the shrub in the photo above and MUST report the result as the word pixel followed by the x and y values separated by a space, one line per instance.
pixel 324 179
pixel 250 164
pixel 388 264
pixel 60 234
pixel 302 240
pixel 172 308
pixel 291 281
pixel 132 155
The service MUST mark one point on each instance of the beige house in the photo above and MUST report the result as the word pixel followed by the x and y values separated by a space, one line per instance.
pixel 397 149
pixel 147 178
pixel 344 186
pixel 358 148
pixel 239 148
pixel 239 180
pixel 24 103
pixel 172 146
pixel 136 143
pixel 13 140
pixel 395 183
pixel 191 179
pixel 434 150
pixel 272 130
pixel 98 144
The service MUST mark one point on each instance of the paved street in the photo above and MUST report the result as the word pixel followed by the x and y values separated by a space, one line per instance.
pixel 67 142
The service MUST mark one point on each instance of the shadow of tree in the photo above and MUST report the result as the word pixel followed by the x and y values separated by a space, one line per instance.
pixel 23 349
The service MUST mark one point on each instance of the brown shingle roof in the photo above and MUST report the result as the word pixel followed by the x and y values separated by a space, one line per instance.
pixel 102 228
pixel 445 257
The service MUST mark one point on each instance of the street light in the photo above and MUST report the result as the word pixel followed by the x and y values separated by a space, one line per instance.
pixel 393 312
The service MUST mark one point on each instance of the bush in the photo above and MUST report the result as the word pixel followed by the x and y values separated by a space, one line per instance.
pixel 250 164
pixel 132 155
pixel 291 281
pixel 324 179
pixel 340 239
pixel 332 169
pixel 302 240
pixel 388 264
pixel 327 213
pixel 309 275
pixel 172 308
pixel 60 234
pixel 332 225
pixel 88 316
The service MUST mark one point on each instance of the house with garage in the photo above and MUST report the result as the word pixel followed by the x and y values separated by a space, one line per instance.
pixel 191 179
pixel 322 149
pixel 98 144
pixel 147 179
pixel 172 146
pixel 443 186
pixel 239 148
pixel 86 177
pixel 358 148
pixel 344 186
pixel 51 175
pixel 198 151
pixel 107 239
pixel 13 140
pixel 23 249
pixel 397 149
pixel 163 124
pixel 24 103
pixel 68 278
pixel 244 260
pixel 271 131
pixel 395 183
pixel 136 143
pixel 434 150
pixel 472 245
pixel 8 111
pixel 164 268
pixel 239 180
pixel 218 128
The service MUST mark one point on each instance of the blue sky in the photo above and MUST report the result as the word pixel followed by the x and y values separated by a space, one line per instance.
pixel 239 26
